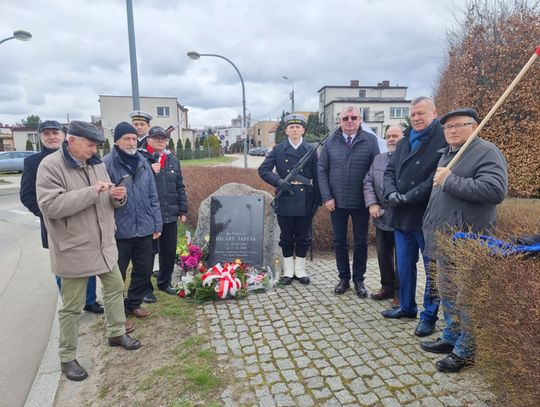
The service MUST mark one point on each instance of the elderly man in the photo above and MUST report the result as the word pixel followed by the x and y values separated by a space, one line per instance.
pixel 173 203
pixel 141 121
pixel 380 213
pixel 138 222
pixel 299 200
pixel 407 184
pixel 343 164
pixel 465 199
pixel 77 201
pixel 51 136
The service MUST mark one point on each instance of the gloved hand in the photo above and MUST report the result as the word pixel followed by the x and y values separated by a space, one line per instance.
pixel 285 186
pixel 395 199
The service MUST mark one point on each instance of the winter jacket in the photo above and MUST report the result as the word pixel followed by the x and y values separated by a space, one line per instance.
pixel 283 158
pixel 28 189
pixel 342 169
pixel 411 173
pixel 141 216
pixel 468 198
pixel 170 187
pixel 79 220
pixel 374 190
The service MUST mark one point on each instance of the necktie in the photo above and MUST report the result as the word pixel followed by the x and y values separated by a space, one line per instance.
pixel 349 141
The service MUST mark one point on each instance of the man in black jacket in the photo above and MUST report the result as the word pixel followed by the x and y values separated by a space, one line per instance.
pixel 51 136
pixel 408 181
pixel 173 204
pixel 344 161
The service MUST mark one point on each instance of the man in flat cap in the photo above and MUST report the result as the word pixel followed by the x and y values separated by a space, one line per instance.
pixel 407 185
pixel 343 164
pixel 77 200
pixel 138 223
pixel 51 136
pixel 464 199
pixel 141 121
pixel 300 198
pixel 173 203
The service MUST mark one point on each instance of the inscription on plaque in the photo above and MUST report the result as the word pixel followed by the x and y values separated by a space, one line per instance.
pixel 236 229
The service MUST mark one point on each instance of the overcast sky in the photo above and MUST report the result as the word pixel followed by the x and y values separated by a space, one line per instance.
pixel 79 50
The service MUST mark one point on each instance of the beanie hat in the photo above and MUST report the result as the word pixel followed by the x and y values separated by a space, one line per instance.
pixel 123 128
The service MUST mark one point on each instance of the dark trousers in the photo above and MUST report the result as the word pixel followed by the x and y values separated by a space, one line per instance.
pixel 340 220
pixel 167 255
pixel 385 244
pixel 295 236
pixel 138 250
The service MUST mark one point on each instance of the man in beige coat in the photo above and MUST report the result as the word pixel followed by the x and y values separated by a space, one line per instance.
pixel 77 201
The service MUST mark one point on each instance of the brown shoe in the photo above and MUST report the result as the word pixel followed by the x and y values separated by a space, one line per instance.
pixel 125 341
pixel 130 326
pixel 395 302
pixel 382 294
pixel 74 371
pixel 140 313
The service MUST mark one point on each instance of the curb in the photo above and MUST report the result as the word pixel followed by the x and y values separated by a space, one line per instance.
pixel 43 391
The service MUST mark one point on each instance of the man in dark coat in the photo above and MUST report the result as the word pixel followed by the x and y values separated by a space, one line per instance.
pixel 407 184
pixel 299 200
pixel 381 213
pixel 51 136
pixel 464 199
pixel 138 222
pixel 343 164
pixel 173 204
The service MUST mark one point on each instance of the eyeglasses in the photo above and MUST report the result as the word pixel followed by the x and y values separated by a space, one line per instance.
pixel 456 126
pixel 349 118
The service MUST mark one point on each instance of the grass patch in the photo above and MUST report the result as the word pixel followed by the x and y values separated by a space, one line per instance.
pixel 208 161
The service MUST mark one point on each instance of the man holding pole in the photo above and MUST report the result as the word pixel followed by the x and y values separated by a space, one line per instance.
pixel 464 199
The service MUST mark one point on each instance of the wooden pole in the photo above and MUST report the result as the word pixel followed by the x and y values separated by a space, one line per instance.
pixel 495 107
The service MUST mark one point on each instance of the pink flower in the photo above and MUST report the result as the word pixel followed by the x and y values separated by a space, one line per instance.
pixel 191 262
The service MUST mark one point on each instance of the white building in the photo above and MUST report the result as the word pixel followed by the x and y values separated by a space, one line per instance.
pixel 381 106
pixel 230 134
pixel 166 111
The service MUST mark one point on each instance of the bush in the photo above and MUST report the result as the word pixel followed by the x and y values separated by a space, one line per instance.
pixel 502 296
pixel 202 181
pixel 188 144
pixel 29 146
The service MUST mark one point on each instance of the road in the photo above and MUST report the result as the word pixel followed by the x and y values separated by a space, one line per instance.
pixel 28 298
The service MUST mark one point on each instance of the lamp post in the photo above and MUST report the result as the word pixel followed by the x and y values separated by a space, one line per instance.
pixel 20 35
pixel 195 55
pixel 292 92
pixel 135 99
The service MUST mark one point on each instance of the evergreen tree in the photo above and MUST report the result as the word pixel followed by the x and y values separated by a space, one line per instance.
pixel 188 144
pixel 106 147
pixel 29 146
pixel 170 146
pixel 280 131
pixel 197 143
pixel 30 121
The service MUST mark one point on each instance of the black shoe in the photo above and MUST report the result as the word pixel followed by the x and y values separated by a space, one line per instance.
pixel 304 280
pixel 397 314
pixel 424 328
pixel 95 308
pixel 285 280
pixel 360 289
pixel 438 346
pixel 74 371
pixel 342 286
pixel 125 341
pixel 169 290
pixel 453 364
pixel 149 298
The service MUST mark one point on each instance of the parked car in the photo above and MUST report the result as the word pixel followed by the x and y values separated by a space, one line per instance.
pixel 257 151
pixel 13 160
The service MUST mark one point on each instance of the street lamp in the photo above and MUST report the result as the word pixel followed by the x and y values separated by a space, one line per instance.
pixel 20 35
pixel 195 55
pixel 292 92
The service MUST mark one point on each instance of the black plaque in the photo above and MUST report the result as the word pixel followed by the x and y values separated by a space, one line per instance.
pixel 236 229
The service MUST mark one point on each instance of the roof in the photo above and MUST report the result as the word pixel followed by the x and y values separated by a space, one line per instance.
pixel 362 87
pixel 369 100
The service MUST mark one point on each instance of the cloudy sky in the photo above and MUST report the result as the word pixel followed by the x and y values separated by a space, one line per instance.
pixel 79 50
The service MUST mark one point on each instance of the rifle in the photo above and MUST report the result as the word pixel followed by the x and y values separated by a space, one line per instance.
pixel 295 172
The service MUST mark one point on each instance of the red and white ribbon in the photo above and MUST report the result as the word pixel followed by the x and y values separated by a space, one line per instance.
pixel 228 283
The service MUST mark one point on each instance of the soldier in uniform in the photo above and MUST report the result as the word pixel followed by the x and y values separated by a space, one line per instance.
pixel 141 121
pixel 300 198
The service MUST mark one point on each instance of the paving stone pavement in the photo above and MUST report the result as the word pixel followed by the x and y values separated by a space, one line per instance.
pixel 305 346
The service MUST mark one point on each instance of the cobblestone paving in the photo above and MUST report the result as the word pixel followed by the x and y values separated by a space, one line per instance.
pixel 305 346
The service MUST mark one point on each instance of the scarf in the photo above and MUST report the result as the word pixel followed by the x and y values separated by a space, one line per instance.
pixel 162 157
pixel 131 162
pixel 416 138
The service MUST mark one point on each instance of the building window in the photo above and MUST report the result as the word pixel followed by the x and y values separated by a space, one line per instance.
pixel 375 130
pixel 258 132
pixel 163 111
pixel 33 137
pixel 399 112
pixel 362 93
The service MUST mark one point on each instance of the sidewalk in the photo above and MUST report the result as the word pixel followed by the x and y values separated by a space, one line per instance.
pixel 12 183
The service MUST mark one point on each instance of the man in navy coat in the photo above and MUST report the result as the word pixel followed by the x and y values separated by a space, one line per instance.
pixel 300 198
